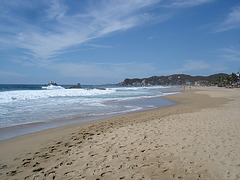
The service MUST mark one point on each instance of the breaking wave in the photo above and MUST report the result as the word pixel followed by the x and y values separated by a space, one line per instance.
pixel 26 95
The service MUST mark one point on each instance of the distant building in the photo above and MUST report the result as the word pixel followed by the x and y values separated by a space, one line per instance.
pixel 200 83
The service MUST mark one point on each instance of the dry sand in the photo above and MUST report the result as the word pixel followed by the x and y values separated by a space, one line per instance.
pixel 196 139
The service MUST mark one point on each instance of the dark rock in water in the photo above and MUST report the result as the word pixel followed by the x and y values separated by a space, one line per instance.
pixel 101 88
pixel 52 83
pixel 78 86
pixel 96 88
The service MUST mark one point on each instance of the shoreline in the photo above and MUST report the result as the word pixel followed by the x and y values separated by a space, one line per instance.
pixel 155 143
pixel 142 104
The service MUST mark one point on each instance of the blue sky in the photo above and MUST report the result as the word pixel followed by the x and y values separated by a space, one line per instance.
pixel 97 42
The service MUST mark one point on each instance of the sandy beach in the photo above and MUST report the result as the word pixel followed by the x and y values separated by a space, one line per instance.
pixel 198 138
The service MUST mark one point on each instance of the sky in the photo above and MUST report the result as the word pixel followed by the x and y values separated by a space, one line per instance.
pixel 106 41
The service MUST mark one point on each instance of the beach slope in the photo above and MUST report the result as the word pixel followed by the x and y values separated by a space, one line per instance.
pixel 198 138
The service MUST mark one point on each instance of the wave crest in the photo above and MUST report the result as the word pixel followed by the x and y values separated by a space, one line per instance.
pixel 52 87
pixel 26 95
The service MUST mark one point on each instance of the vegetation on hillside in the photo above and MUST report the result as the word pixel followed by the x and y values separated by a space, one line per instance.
pixel 183 79
pixel 231 80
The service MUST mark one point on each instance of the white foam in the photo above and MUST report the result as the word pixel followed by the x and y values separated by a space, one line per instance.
pixel 129 109
pixel 170 93
pixel 52 87
pixel 25 95
pixel 27 106
pixel 142 87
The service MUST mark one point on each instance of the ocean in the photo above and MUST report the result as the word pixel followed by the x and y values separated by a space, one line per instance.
pixel 30 108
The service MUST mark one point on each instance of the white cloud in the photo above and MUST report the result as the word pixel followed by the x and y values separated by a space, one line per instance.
pixel 232 21
pixel 56 10
pixel 60 30
pixel 196 67
pixel 186 3
pixel 7 74
pixel 231 54
pixel 104 71
pixel 45 29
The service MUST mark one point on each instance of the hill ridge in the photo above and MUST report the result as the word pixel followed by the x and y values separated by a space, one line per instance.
pixel 175 79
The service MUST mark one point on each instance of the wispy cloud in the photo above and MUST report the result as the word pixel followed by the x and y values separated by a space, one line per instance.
pixel 58 30
pixel 8 74
pixel 196 67
pixel 56 10
pixel 186 3
pixel 45 29
pixel 231 54
pixel 193 65
pixel 113 71
pixel 232 21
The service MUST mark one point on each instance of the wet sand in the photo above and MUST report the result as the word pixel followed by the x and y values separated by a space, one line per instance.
pixel 198 138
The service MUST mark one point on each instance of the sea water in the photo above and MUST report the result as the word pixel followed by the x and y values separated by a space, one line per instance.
pixel 22 106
